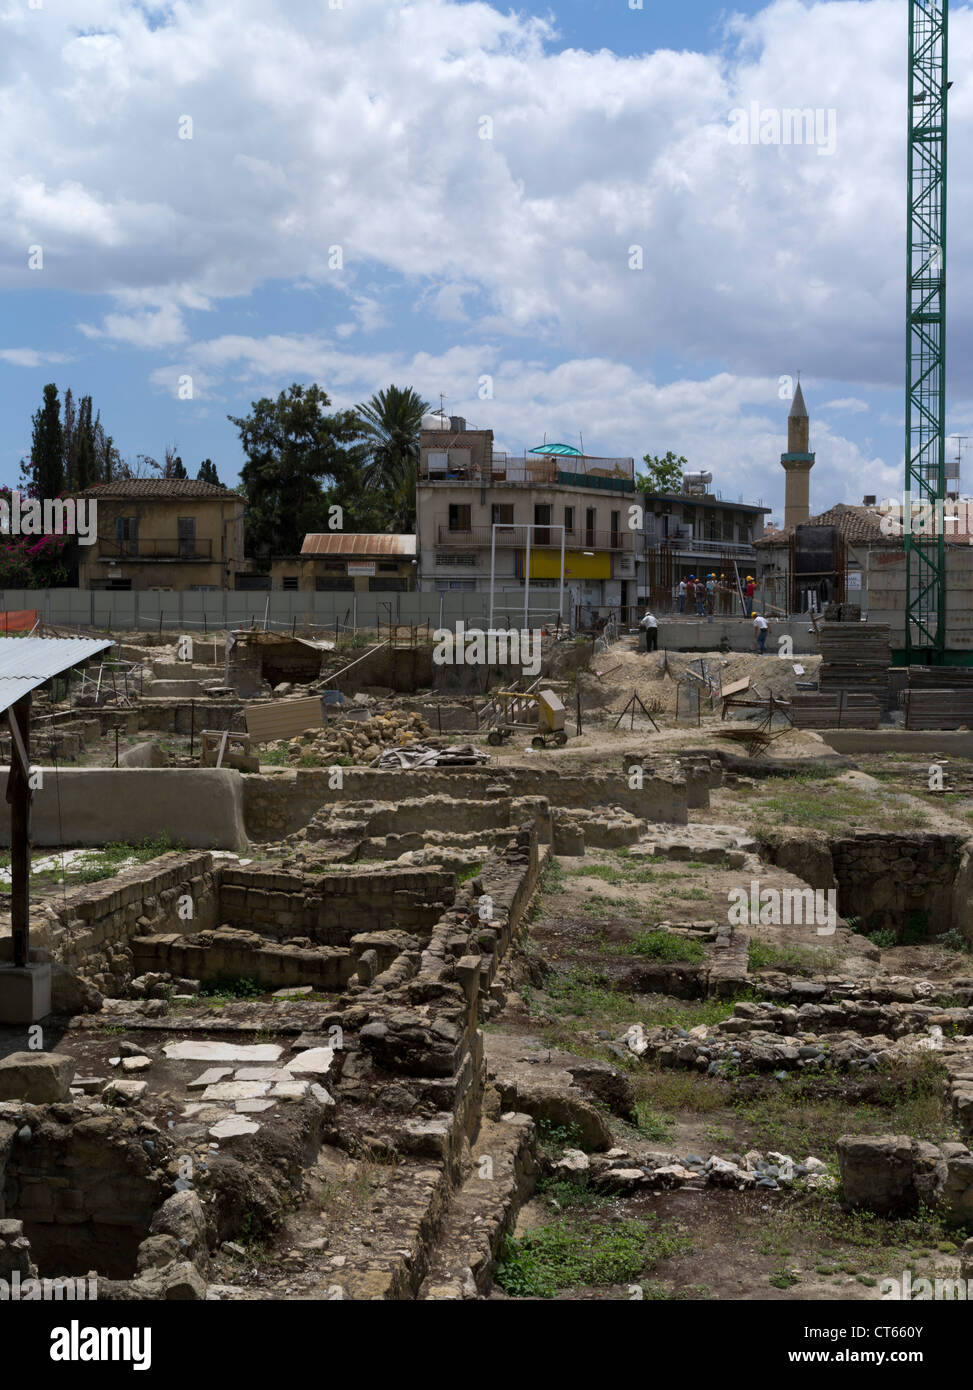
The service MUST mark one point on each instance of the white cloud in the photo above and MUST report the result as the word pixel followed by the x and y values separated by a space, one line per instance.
pixel 30 357
pixel 360 128
pixel 849 404
pixel 736 427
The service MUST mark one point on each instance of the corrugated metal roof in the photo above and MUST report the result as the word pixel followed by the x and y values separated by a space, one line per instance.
pixel 340 543
pixel 27 662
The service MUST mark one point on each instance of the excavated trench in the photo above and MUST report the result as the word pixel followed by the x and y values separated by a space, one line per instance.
pixel 86 1193
pixel 916 886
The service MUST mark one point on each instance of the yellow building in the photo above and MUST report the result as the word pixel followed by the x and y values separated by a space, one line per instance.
pixel 338 561
pixel 163 533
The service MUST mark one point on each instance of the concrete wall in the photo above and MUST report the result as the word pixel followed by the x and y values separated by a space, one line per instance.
pixel 201 807
pixel 213 612
pixel 281 804
pixel 692 634
pixel 930 741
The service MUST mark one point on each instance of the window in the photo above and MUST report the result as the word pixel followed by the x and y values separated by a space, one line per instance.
pixel 388 567
pixel 614 529
pixel 444 585
pixel 589 526
pixel 252 581
pixel 127 535
pixel 569 520
pixel 186 531
pixel 289 581
pixel 387 586
pixel 327 586
pixel 502 513
pixel 542 519
pixel 335 567
pixel 459 517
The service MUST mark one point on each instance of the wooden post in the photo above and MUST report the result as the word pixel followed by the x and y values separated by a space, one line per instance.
pixel 18 795
pixel 192 726
pixel 116 745
pixel 577 697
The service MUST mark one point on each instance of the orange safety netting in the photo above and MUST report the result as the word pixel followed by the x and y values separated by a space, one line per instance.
pixel 18 620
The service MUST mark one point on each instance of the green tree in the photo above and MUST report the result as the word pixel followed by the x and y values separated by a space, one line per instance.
pixel 178 468
pixel 292 446
pixel 86 455
pixel 390 424
pixel 208 474
pixel 44 471
pixel 662 474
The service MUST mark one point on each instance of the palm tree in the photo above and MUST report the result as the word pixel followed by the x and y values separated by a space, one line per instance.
pixel 390 424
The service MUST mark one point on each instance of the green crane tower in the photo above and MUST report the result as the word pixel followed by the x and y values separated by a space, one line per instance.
pixel 925 382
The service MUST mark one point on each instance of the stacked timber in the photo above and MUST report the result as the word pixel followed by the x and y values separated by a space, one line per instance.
pixel 941 677
pixel 938 709
pixel 837 710
pixel 855 659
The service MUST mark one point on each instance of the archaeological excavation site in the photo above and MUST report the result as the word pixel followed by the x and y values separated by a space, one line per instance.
pixel 329 972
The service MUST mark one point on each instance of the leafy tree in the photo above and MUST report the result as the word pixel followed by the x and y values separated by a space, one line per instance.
pixel 208 474
pixel 390 424
pixel 44 471
pixel 292 446
pixel 85 454
pixel 178 469
pixel 662 474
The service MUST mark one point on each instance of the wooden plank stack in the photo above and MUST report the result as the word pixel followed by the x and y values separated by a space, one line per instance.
pixel 941 677
pixel 837 710
pixel 855 659
pixel 938 709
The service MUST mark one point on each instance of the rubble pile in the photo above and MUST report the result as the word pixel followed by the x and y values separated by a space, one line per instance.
pixel 360 740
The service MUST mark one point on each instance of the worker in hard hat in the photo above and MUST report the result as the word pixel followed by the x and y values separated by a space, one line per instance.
pixel 760 629
pixel 650 627
pixel 748 588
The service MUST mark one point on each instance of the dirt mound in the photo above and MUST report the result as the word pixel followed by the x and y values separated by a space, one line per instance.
pixel 617 672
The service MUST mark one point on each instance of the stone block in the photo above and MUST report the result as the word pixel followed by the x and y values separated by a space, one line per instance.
pixel 37 1077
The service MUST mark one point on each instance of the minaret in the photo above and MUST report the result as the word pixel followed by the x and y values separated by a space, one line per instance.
pixel 797 463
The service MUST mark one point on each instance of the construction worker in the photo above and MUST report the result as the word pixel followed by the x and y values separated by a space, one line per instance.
pixel 650 627
pixel 749 586
pixel 681 594
pixel 760 628
pixel 710 592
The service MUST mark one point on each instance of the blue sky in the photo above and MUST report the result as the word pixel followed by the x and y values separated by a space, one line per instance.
pixel 491 178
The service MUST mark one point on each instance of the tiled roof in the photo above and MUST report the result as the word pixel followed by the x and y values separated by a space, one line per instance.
pixel 176 488
pixel 361 543
pixel 853 523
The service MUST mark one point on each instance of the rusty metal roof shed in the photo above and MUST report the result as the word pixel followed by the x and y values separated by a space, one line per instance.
pixel 363 543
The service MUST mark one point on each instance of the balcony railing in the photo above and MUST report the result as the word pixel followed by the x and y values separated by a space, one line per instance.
pixel 155 548
pixel 705 547
pixel 541 538
pixel 612 474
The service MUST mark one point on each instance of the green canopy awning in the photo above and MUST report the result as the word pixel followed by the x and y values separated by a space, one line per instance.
pixel 561 450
